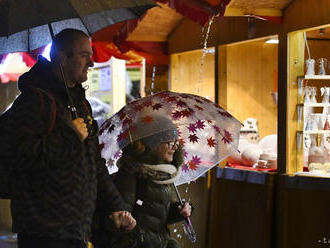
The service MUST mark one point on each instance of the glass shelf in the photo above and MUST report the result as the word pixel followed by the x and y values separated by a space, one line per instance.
pixel 314 131
pixel 312 174
pixel 315 104
pixel 317 77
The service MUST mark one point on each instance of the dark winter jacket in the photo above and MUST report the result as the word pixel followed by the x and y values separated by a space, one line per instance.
pixel 153 205
pixel 57 178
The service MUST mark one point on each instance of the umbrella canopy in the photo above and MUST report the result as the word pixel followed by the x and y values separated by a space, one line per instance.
pixel 206 131
pixel 28 24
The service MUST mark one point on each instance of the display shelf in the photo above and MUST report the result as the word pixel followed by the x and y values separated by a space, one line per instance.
pixel 317 77
pixel 311 77
pixel 312 174
pixel 300 107
pixel 314 131
pixel 315 104
pixel 304 110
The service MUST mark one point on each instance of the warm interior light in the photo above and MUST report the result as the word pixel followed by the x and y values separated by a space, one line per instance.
pixel 272 41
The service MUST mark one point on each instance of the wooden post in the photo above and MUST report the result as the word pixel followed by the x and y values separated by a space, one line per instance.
pixel 295 69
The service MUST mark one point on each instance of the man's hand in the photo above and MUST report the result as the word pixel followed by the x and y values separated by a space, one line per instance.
pixel 185 211
pixel 80 128
pixel 123 220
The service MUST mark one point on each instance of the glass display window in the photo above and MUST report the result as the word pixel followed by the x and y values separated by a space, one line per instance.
pixel 308 102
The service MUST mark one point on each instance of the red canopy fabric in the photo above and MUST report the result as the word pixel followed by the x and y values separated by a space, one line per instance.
pixel 110 42
pixel 106 42
pixel 198 10
pixel 103 51
pixel 28 59
pixel 155 53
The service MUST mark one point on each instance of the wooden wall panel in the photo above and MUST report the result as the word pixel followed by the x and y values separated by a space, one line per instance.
pixel 302 14
pixel 302 212
pixel 185 74
pixel 160 80
pixel 189 35
pixel 243 209
pixel 251 68
pixel 222 76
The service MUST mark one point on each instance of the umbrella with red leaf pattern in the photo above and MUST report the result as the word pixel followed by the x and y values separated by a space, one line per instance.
pixel 207 133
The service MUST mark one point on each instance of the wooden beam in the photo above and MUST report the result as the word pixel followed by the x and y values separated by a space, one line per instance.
pixel 147 37
pixel 257 12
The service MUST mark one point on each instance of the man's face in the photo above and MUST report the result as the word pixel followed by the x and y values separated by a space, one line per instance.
pixel 77 65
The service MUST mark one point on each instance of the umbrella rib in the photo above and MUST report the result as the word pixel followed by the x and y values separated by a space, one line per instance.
pixel 89 32
pixel 104 7
pixel 51 30
pixel 28 39
pixel 80 18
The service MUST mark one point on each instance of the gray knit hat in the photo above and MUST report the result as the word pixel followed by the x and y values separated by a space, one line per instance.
pixel 164 136
pixel 160 129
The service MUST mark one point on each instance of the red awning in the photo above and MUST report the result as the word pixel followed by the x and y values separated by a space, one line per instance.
pixel 198 10
pixel 155 53
pixel 110 42
pixel 103 51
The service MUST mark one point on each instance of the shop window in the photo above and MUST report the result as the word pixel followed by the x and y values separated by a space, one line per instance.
pixel 310 49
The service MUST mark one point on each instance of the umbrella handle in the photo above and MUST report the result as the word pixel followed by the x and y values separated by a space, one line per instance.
pixel 189 230
pixel 71 106
pixel 187 226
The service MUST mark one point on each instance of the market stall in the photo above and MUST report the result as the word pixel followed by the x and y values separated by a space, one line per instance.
pixel 239 87
pixel 304 141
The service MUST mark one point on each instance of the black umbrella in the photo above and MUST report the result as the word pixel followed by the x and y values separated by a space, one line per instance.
pixel 29 24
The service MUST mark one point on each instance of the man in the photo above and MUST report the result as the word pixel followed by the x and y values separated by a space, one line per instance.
pixel 59 176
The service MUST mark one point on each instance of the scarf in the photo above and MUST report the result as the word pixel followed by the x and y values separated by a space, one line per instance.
pixel 161 173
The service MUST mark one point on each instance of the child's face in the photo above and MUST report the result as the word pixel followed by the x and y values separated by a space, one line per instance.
pixel 166 150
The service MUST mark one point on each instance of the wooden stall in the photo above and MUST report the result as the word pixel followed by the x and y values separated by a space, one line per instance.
pixel 300 200
pixel 245 76
pixel 292 195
